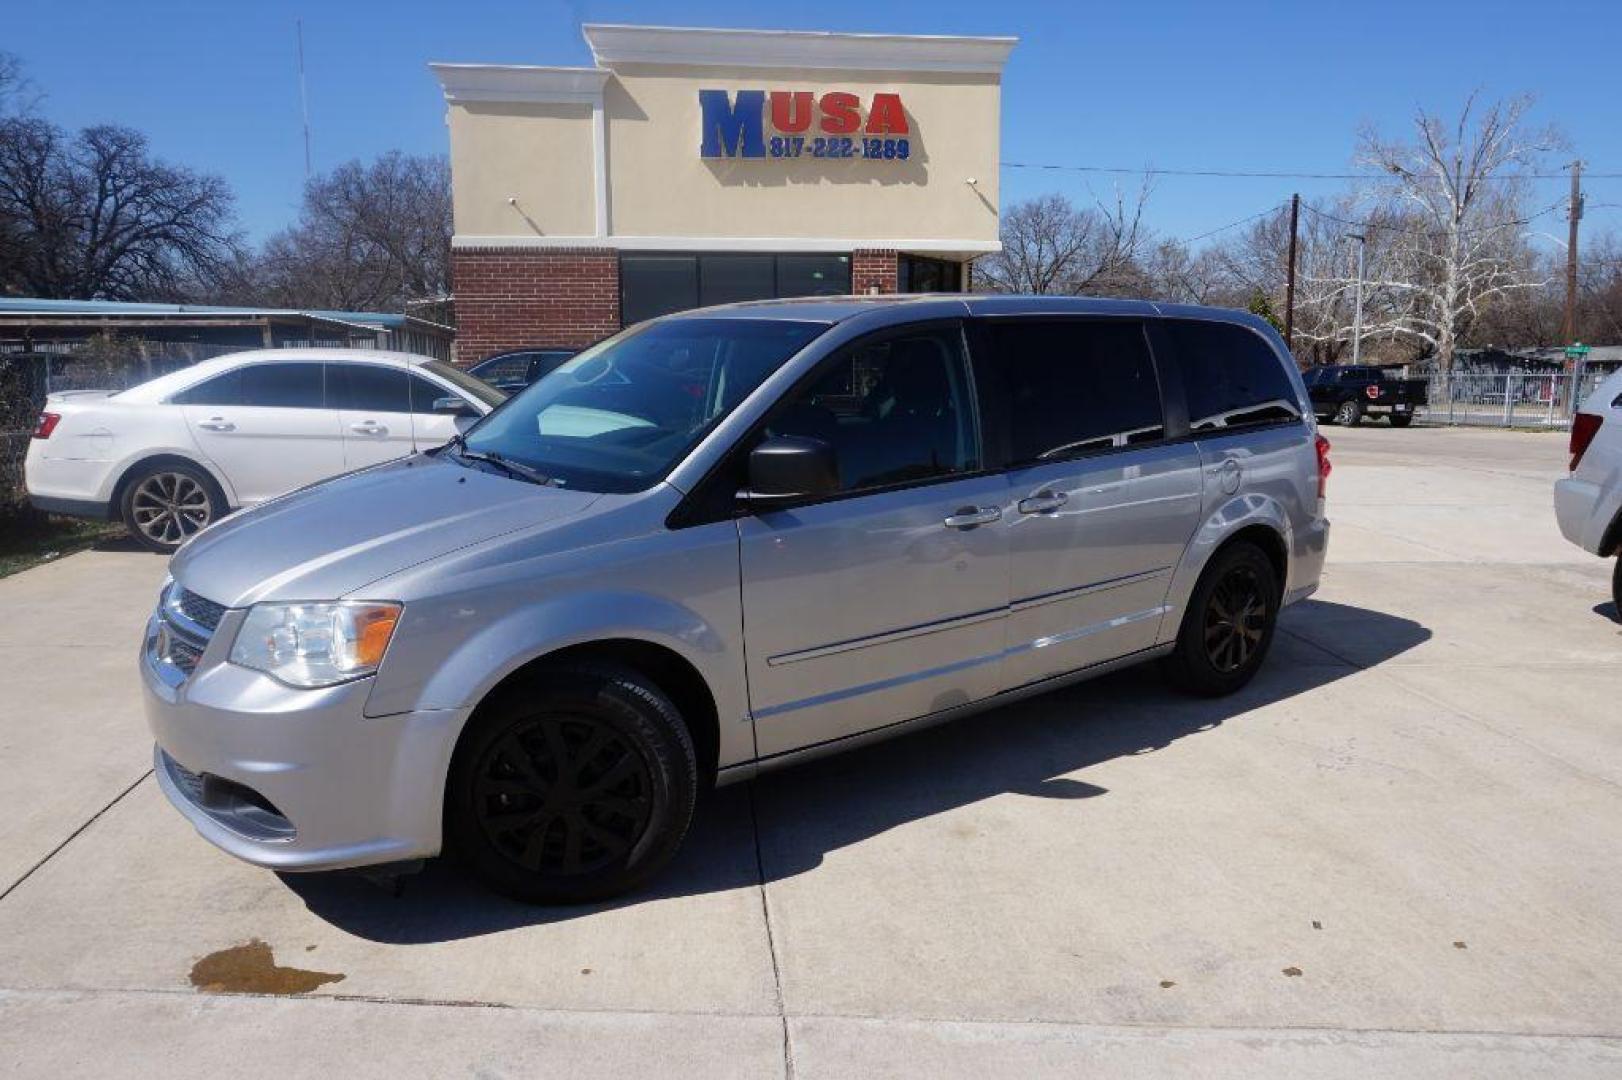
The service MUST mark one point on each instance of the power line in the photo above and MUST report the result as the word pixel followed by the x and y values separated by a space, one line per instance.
pixel 1235 224
pixel 1432 232
pixel 1270 175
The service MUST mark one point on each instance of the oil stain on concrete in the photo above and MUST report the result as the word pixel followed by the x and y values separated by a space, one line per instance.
pixel 251 968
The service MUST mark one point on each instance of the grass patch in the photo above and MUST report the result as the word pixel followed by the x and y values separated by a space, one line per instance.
pixel 29 541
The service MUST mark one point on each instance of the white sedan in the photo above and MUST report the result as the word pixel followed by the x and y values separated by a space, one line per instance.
pixel 171 455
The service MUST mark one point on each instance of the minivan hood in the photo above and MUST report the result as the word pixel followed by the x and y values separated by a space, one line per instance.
pixel 325 541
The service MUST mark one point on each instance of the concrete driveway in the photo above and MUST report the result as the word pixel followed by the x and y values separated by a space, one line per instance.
pixel 1396 853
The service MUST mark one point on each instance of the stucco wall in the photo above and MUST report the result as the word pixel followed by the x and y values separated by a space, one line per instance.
pixel 660 186
pixel 540 154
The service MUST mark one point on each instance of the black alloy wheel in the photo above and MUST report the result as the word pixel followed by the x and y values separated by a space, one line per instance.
pixel 563 795
pixel 1235 619
pixel 576 783
pixel 1228 624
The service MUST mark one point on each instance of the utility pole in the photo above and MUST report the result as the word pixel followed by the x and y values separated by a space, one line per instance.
pixel 303 97
pixel 1289 277
pixel 1357 309
pixel 1568 326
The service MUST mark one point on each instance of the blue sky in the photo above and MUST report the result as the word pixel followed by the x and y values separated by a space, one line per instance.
pixel 1236 85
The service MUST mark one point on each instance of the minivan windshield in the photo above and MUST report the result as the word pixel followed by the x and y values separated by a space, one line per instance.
pixel 620 415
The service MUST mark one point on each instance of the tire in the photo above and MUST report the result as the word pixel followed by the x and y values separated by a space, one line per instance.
pixel 1350 413
pixel 540 815
pixel 166 503
pixel 1616 588
pixel 1401 421
pixel 1213 657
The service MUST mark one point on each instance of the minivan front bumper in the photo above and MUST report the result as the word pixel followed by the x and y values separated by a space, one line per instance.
pixel 293 779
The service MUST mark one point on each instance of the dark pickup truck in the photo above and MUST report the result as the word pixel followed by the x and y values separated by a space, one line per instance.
pixel 1346 394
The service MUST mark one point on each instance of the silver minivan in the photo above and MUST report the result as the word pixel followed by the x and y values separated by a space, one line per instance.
pixel 717 543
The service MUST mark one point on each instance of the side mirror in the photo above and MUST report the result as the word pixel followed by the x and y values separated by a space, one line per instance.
pixel 453 406
pixel 788 467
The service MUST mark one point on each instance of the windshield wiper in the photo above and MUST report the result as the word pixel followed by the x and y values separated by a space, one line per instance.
pixel 516 469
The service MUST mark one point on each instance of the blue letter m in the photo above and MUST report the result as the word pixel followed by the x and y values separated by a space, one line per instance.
pixel 732 129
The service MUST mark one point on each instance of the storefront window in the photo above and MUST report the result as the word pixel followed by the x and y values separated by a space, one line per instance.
pixel 654 285
pixel 920 275
pixel 727 279
pixel 813 275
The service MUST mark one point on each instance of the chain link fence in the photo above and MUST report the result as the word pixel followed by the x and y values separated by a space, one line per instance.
pixel 1508 399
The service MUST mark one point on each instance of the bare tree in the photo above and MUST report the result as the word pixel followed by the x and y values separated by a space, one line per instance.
pixel 1050 246
pixel 368 236
pixel 96 216
pixel 1461 188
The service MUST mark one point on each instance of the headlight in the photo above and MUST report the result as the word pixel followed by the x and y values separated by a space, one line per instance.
pixel 310 645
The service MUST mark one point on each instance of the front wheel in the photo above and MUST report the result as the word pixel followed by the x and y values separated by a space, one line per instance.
pixel 1228 626
pixel 1616 588
pixel 574 786
pixel 167 503
pixel 1350 413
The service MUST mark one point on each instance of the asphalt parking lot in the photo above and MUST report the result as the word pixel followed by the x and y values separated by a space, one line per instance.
pixel 1395 853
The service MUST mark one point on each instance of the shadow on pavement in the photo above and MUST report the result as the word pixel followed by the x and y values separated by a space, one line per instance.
pixel 1608 610
pixel 1027 748
pixel 122 542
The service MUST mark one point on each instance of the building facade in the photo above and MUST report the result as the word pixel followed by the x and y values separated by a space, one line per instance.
pixel 691 167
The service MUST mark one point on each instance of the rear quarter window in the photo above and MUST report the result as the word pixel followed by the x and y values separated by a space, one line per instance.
pixel 1231 376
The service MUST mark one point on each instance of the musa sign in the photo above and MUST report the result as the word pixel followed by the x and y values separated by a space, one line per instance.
pixel 803 124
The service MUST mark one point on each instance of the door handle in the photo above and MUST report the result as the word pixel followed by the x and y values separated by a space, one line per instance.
pixel 216 423
pixel 1043 502
pixel 368 427
pixel 967 517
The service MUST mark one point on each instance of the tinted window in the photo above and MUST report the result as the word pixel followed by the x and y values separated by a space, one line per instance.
pixel 504 369
pixel 425 393
pixel 220 390
pixel 476 389
pixel 286 386
pixel 369 388
pixel 894 411
pixel 1076 386
pixel 654 285
pixel 726 279
pixel 1231 375
pixel 813 275
pixel 618 416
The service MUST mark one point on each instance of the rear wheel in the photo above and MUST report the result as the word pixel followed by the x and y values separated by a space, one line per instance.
pixel 1401 421
pixel 1350 413
pixel 1228 626
pixel 1616 588
pixel 167 503
pixel 574 786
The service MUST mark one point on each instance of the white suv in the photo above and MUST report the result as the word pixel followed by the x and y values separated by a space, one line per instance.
pixel 171 455
pixel 1588 503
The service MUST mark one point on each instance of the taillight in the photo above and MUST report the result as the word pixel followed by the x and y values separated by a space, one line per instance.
pixel 47 424
pixel 1584 426
pixel 1372 390
pixel 1324 467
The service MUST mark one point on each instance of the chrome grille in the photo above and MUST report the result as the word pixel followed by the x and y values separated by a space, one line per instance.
pixel 205 613
pixel 183 654
pixel 181 632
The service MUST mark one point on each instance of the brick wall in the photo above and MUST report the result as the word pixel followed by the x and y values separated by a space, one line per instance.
pixel 871 267
pixel 510 299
